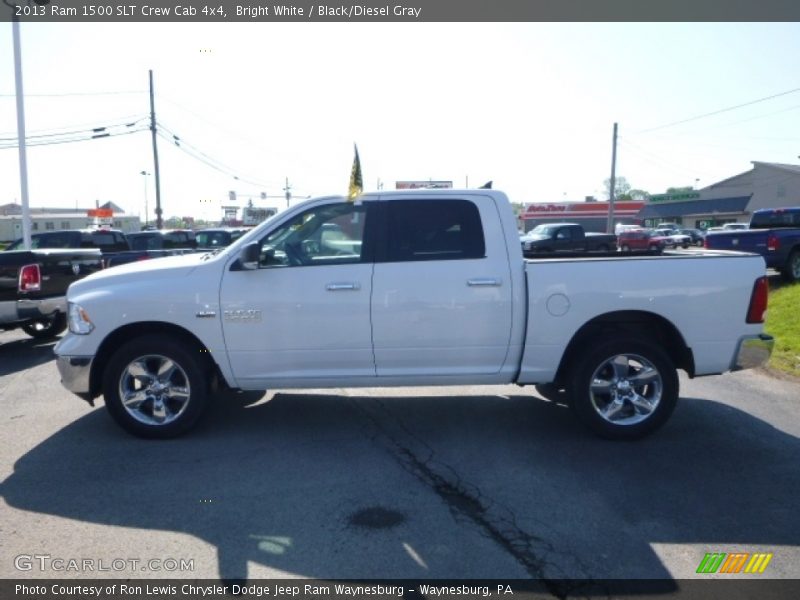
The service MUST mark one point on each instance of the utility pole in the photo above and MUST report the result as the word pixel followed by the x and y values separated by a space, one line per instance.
pixel 23 157
pixel 159 221
pixel 613 183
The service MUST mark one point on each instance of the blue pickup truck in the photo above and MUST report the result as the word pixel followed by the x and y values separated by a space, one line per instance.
pixel 774 233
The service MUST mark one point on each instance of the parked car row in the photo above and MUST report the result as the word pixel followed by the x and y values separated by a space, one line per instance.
pixel 118 248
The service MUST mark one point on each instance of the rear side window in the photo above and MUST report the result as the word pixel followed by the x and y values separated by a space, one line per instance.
pixel 434 230
pixel 778 218
pixel 143 242
pixel 103 239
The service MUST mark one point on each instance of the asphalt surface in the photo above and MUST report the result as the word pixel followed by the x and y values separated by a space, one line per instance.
pixel 484 482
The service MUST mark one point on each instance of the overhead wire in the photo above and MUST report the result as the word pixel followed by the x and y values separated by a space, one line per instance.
pixel 94 133
pixel 720 111
pixel 191 150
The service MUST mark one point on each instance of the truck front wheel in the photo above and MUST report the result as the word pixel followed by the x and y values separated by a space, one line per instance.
pixel 155 387
pixel 623 388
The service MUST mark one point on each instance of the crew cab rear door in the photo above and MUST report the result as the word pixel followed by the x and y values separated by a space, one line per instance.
pixel 441 299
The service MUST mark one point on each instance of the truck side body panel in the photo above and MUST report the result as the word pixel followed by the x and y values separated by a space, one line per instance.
pixel 698 295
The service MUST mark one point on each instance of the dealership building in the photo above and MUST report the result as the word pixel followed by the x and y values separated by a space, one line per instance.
pixel 56 219
pixel 766 185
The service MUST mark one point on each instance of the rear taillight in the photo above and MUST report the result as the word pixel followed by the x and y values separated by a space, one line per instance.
pixel 758 301
pixel 30 278
pixel 773 242
pixel 705 243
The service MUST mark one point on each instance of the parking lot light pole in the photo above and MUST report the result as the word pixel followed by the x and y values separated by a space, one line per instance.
pixel 23 157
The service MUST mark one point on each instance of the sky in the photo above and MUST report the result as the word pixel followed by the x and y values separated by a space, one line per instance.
pixel 529 106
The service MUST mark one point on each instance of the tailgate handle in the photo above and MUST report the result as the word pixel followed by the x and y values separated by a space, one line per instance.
pixel 338 287
pixel 484 282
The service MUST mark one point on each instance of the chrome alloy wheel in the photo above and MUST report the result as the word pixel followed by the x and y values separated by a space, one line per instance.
pixel 154 389
pixel 626 389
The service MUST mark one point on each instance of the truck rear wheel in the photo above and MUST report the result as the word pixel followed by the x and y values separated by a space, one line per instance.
pixel 155 387
pixel 46 327
pixel 791 272
pixel 623 388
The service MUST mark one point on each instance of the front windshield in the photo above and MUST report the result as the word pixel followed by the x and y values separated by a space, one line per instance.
pixel 542 230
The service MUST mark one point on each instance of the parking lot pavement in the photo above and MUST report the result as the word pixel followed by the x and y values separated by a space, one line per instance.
pixel 483 482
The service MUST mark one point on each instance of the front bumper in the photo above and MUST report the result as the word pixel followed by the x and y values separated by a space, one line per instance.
pixel 753 351
pixel 75 372
pixel 29 309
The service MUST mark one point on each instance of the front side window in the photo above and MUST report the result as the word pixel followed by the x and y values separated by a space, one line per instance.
pixel 326 235
pixel 434 230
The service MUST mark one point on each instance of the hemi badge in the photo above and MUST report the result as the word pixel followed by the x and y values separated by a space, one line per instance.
pixel 205 314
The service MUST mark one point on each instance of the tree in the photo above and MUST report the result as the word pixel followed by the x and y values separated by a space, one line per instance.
pixel 639 194
pixel 621 188
pixel 680 190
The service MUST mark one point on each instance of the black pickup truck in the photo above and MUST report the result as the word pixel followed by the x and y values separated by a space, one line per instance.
pixel 565 237
pixel 33 287
pixel 115 246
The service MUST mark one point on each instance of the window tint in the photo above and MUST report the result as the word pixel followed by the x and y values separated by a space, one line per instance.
pixel 326 235
pixel 143 242
pixel 778 218
pixel 103 239
pixel 434 230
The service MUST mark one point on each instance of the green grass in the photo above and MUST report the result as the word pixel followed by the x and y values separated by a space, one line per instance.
pixel 783 322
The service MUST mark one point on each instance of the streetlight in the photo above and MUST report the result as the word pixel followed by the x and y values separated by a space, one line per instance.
pixel 146 210
pixel 23 160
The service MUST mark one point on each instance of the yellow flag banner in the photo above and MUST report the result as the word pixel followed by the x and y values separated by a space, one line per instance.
pixel 356 182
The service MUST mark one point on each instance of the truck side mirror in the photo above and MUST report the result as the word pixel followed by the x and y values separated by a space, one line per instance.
pixel 250 255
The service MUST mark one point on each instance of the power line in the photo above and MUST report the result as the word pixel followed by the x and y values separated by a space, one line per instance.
pixel 189 149
pixel 56 134
pixel 645 153
pixel 96 134
pixel 77 126
pixel 65 94
pixel 720 111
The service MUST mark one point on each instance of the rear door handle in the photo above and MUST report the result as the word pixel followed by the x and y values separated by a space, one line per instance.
pixel 484 282
pixel 339 287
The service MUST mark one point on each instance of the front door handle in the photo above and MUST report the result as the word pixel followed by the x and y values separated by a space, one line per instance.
pixel 484 282
pixel 339 287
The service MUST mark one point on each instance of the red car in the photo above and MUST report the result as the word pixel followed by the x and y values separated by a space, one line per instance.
pixel 640 239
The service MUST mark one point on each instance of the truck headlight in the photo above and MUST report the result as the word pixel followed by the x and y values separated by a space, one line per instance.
pixel 78 319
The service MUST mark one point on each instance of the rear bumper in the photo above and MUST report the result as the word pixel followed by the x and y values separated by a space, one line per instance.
pixel 28 309
pixel 753 351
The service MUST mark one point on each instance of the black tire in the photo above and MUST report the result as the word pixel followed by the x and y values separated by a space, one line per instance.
pixel 169 403
pixel 626 248
pixel 47 327
pixel 685 245
pixel 623 389
pixel 603 248
pixel 791 272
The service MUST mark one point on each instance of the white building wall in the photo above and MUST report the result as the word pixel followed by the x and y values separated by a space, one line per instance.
pixel 774 187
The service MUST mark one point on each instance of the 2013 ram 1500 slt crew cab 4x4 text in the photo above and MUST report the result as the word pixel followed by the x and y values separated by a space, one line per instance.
pixel 427 287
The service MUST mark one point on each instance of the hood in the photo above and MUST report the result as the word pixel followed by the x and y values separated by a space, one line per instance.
pixel 168 267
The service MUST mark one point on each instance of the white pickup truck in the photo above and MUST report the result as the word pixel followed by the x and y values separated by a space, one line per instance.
pixel 427 287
